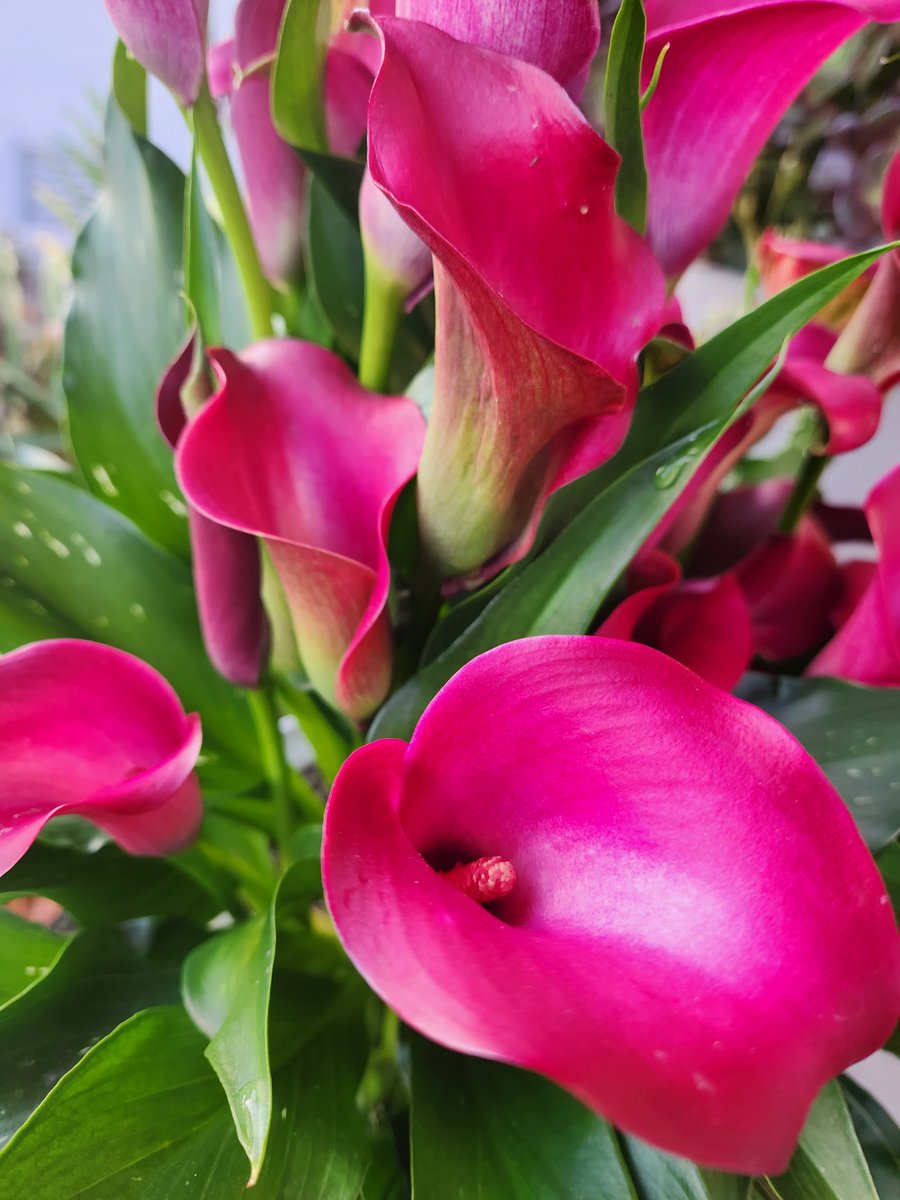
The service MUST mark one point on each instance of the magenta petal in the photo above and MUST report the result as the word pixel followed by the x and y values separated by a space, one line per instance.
pixel 293 450
pixel 866 648
pixel 513 192
pixel 559 36
pixel 702 623
pixel 644 960
pixel 89 730
pixel 168 37
pixel 792 583
pixel 719 98
pixel 226 566
pixel 850 404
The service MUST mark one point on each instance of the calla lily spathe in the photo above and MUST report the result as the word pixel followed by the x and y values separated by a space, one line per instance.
pixel 292 450
pixel 664 950
pixel 225 563
pixel 720 95
pixel 168 38
pixel 559 36
pixel 866 648
pixel 90 731
pixel 544 296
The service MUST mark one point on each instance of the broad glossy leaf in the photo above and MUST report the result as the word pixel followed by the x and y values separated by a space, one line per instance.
pixel 622 111
pixel 851 731
pixel 226 985
pixel 108 886
pixel 96 983
pixel 485 1131
pixel 889 865
pixel 142 1117
pixel 606 515
pixel 659 1176
pixel 92 572
pixel 879 1137
pixel 125 326
pixel 27 952
pixel 828 1164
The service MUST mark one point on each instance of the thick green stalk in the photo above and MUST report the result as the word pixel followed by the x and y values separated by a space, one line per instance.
pixel 214 156
pixel 381 323
pixel 276 768
pixel 804 491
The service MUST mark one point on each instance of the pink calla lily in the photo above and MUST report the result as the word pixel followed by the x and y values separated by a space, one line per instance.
pixel 703 623
pixel 871 342
pixel 536 280
pixel 719 98
pixel 623 821
pixel 226 566
pixel 90 731
pixel 866 648
pixel 559 36
pixel 291 449
pixel 168 38
pixel 783 261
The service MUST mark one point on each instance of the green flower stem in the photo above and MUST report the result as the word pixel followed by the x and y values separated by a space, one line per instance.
pixel 804 491
pixel 276 768
pixel 381 323
pixel 214 157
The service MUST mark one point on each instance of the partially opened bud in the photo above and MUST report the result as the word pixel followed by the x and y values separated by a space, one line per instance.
pixel 168 38
pixel 398 256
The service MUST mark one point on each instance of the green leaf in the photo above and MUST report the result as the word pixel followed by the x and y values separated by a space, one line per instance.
pixel 108 886
pixel 879 1137
pixel 622 111
pixel 94 984
pixel 828 1164
pixel 888 861
pixel 297 91
pixel 91 572
pixel 851 732
pixel 142 1117
pixel 485 1131
pixel 660 1176
pixel 129 83
pixel 226 985
pixel 27 952
pixel 606 515
pixel 125 326
pixel 335 264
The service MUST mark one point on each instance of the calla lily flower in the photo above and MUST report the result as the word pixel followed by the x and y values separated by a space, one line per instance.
pixel 559 36
pixel 783 261
pixel 718 99
pixel 866 648
pixel 168 39
pixel 570 868
pixel 850 406
pixel 275 174
pixel 226 566
pixel 89 731
pixel 871 342
pixel 703 623
pixel 790 581
pixel 544 296
pixel 291 449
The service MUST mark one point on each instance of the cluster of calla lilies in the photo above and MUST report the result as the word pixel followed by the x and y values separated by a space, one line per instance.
pixel 590 860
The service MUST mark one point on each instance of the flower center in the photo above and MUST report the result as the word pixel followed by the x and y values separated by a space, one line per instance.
pixel 483 880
